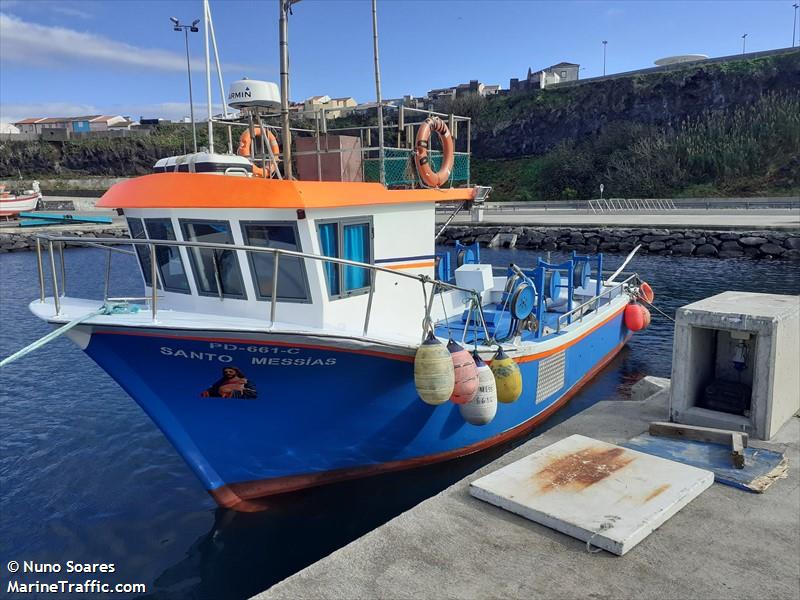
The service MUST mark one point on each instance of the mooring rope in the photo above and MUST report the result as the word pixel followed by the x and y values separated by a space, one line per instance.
pixel 655 308
pixel 106 309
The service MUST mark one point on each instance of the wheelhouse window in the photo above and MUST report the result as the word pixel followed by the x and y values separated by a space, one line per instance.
pixel 136 230
pixel 216 271
pixel 292 281
pixel 350 240
pixel 168 258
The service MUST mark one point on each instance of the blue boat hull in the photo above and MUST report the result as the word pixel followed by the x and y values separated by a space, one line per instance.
pixel 300 413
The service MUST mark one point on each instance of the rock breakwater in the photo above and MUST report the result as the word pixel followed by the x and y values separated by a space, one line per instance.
pixel 678 242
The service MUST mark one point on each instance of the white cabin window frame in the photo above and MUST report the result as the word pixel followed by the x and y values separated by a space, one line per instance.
pixel 251 256
pixel 342 223
pixel 142 252
pixel 174 252
pixel 196 265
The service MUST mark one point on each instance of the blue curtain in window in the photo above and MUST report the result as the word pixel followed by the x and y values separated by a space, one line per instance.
pixel 356 247
pixel 329 244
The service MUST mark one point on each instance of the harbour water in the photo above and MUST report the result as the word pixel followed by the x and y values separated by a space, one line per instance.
pixel 87 477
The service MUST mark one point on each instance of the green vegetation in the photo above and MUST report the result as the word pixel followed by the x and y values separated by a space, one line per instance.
pixel 749 150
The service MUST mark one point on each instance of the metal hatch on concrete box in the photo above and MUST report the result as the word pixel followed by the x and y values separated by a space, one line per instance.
pixel 590 489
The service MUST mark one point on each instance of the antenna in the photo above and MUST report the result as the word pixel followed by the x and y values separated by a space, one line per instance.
pixel 378 90
pixel 208 79
pixel 219 78
pixel 286 142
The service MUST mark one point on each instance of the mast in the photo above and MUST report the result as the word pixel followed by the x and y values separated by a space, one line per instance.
pixel 206 12
pixel 286 140
pixel 378 90
pixel 219 76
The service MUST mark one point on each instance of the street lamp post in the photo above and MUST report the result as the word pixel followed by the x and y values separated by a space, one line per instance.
pixel 605 43
pixel 186 29
pixel 744 42
pixel 794 22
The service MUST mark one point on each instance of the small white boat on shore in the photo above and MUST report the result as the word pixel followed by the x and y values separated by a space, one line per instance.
pixel 13 204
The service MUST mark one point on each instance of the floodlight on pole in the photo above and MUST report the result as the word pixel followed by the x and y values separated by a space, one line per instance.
pixel 605 43
pixel 186 29
pixel 794 22
pixel 744 42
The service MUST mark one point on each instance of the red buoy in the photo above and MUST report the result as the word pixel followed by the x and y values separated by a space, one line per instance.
pixel 646 292
pixel 637 317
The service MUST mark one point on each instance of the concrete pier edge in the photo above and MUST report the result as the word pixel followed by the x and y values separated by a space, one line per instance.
pixel 726 543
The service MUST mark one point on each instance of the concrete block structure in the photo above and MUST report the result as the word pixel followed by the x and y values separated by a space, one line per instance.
pixel 736 362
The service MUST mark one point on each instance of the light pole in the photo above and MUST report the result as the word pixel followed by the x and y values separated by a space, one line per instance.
pixel 186 29
pixel 605 42
pixel 794 22
pixel 744 42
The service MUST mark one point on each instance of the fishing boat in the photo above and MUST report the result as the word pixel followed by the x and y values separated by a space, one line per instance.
pixel 13 204
pixel 298 324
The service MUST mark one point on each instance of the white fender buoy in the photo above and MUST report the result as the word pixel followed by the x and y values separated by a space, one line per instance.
pixel 466 374
pixel 434 377
pixel 483 407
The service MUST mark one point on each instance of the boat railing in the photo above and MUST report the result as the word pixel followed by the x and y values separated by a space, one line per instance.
pixel 57 242
pixel 391 163
pixel 591 305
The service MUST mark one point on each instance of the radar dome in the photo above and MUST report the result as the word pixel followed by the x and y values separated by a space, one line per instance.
pixel 251 93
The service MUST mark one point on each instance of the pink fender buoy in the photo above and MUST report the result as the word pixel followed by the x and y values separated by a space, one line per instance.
pixel 466 374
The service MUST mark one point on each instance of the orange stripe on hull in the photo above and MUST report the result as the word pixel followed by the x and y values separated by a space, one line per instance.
pixel 250 496
pixel 417 265
pixel 546 353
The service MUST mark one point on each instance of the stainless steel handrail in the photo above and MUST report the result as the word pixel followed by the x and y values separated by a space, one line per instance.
pixel 594 300
pixel 277 252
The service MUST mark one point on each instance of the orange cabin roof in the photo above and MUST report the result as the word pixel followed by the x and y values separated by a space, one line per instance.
pixel 197 190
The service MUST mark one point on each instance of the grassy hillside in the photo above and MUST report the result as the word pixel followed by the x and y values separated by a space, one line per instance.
pixel 750 150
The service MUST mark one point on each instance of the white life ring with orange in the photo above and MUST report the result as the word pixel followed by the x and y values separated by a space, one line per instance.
pixel 244 149
pixel 422 159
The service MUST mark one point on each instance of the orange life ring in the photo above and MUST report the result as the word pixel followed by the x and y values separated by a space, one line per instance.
pixel 244 149
pixel 421 147
pixel 646 292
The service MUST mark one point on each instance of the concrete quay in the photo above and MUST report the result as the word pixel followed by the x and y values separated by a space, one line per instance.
pixel 727 543
pixel 751 220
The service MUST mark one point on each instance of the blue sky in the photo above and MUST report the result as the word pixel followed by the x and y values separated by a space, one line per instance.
pixel 64 57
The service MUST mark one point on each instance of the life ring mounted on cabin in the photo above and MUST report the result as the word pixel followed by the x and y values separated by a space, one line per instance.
pixel 422 159
pixel 245 140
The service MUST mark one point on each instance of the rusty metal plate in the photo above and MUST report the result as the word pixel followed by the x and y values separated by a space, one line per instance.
pixel 610 496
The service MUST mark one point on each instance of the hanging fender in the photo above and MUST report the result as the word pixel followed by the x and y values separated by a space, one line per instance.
pixel 244 149
pixel 421 154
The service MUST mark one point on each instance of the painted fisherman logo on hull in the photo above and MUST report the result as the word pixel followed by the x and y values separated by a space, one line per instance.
pixel 232 384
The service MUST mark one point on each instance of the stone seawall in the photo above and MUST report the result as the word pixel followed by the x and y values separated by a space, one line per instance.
pixel 20 239
pixel 677 242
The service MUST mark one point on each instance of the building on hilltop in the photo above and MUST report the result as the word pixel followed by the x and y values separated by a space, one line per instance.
pixel 64 126
pixel 558 73
pixel 334 107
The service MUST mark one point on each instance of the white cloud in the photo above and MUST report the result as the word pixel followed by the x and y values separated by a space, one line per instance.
pixel 70 11
pixel 26 43
pixel 10 112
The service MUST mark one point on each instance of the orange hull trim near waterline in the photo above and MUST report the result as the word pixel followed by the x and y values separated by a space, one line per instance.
pixel 199 190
